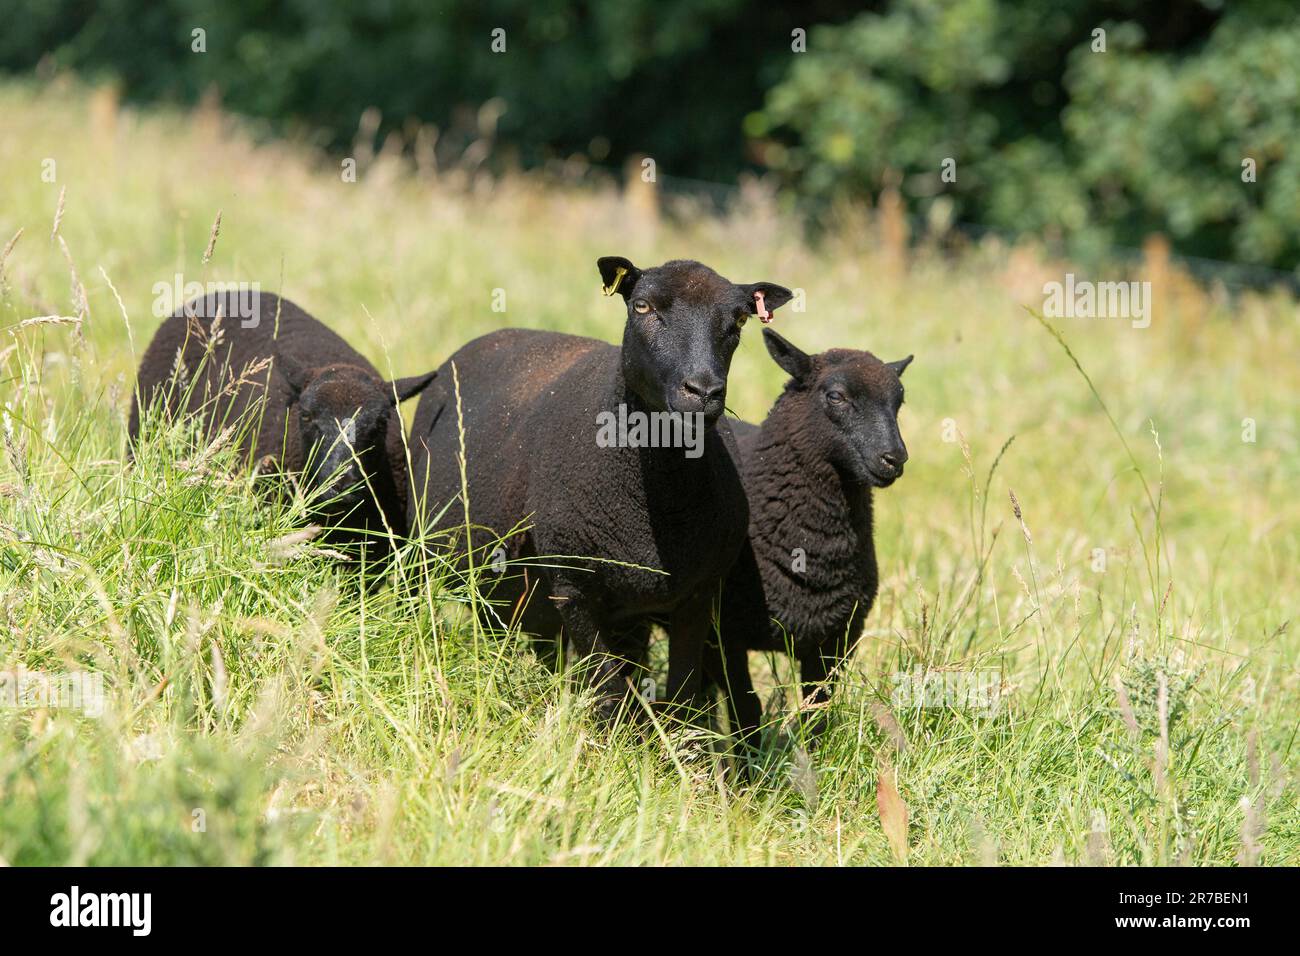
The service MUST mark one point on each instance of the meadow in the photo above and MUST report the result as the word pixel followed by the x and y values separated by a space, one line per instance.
pixel 1096 528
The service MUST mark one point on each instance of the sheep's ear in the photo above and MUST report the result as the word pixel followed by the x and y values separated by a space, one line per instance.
pixel 401 389
pixel 900 365
pixel 617 274
pixel 790 358
pixel 294 373
pixel 774 296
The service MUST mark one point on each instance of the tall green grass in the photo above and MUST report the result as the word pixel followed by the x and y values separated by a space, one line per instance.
pixel 265 708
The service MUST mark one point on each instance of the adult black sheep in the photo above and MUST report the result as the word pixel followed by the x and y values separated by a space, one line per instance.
pixel 661 524
pixel 302 399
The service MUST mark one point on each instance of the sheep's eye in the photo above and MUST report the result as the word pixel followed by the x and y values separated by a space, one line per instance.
pixel 835 397
pixel 741 319
pixel 640 306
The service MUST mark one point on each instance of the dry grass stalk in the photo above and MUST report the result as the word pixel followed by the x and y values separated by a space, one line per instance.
pixel 45 320
pixel 1161 766
pixel 1252 758
pixel 220 680
pixel 212 238
pixel 1277 779
pixel 215 334
pixel 804 777
pixel 289 546
pixel 889 726
pixel 893 812
pixel 80 304
pixel 1015 508
pixel 807 705
pixel 58 213
pixel 247 376
pixel 4 253
pixel 126 320
pixel 1252 828
pixel 199 466
pixel 1126 707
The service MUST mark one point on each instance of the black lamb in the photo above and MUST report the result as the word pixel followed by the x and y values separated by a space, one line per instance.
pixel 806 577
pixel 629 533
pixel 304 402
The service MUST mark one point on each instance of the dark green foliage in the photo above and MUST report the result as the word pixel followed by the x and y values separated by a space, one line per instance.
pixel 670 79
pixel 1049 138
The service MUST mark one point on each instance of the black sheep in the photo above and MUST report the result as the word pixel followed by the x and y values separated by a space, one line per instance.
pixel 533 405
pixel 806 577
pixel 304 402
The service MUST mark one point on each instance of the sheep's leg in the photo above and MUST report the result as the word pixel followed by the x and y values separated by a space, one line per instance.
pixel 712 673
pixel 814 673
pixel 744 707
pixel 601 668
pixel 630 645
pixel 729 668
pixel 688 632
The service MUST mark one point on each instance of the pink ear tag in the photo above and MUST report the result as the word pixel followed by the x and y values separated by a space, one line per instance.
pixel 760 309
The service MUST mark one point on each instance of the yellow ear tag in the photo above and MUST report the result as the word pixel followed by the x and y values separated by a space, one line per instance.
pixel 613 286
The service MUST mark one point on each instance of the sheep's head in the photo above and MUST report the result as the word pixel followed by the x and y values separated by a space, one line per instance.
pixel 848 402
pixel 683 325
pixel 343 413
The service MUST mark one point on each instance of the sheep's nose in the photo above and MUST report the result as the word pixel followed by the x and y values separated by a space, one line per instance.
pixel 705 388
pixel 894 460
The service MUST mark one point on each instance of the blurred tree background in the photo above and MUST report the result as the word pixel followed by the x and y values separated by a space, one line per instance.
pixel 1046 134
